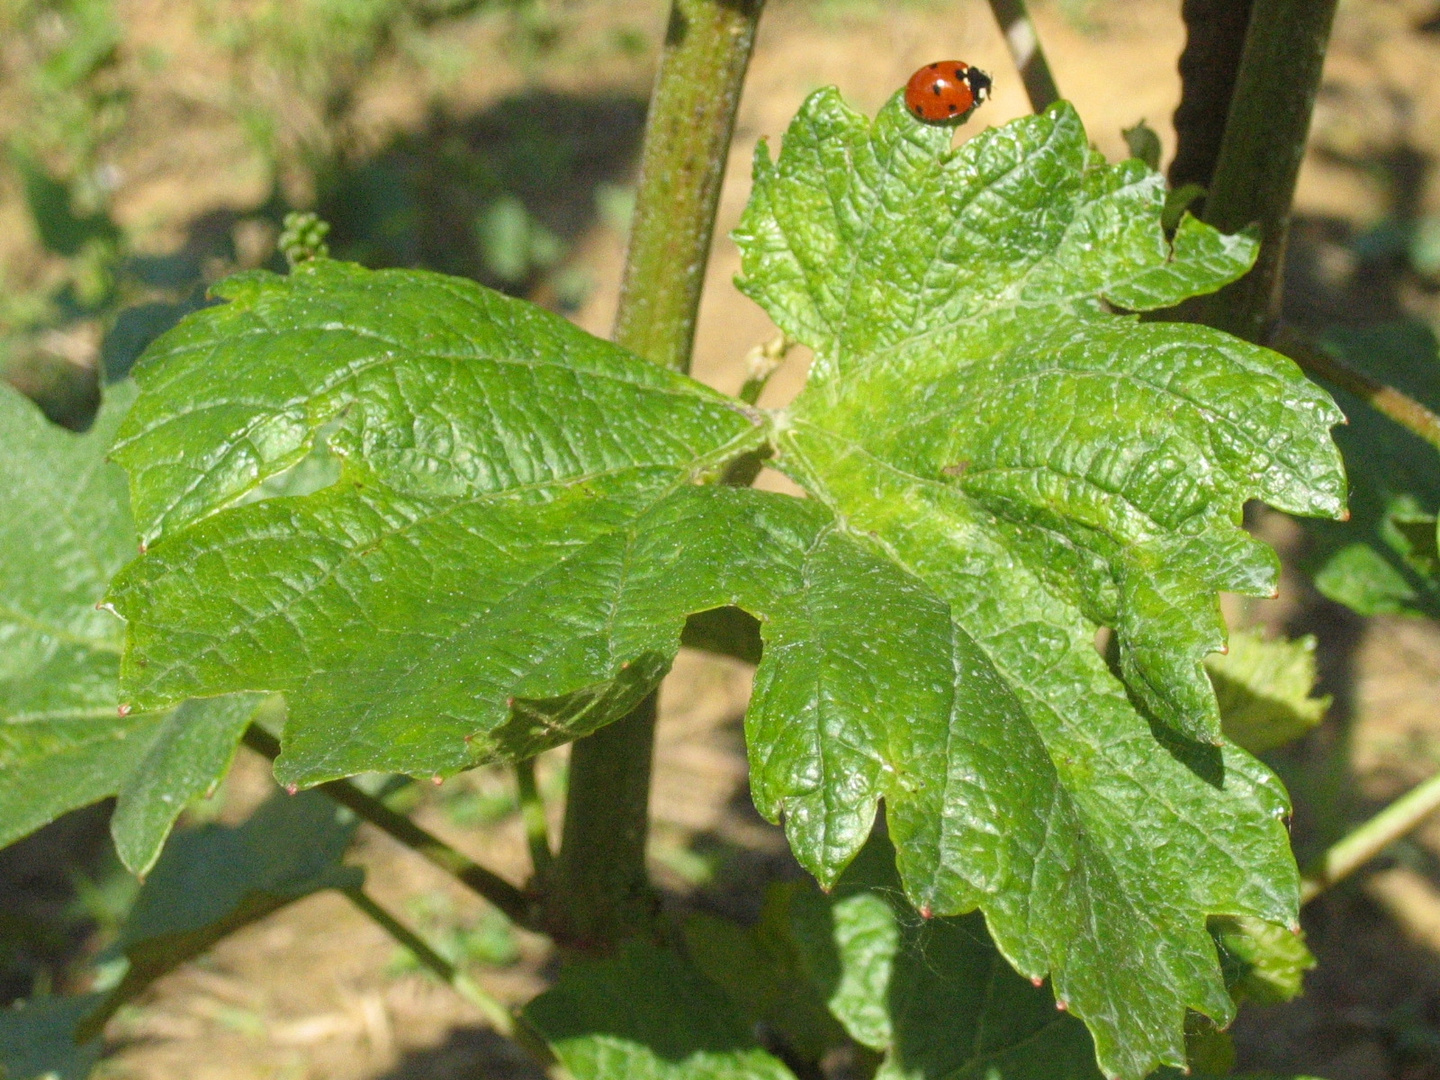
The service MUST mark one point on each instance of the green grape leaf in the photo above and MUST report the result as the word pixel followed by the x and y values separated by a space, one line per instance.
pixel 1034 467
pixel 524 516
pixel 211 881
pixel 37 1039
pixel 763 970
pixel 967 291
pixel 933 995
pixel 65 530
pixel 1383 560
pixel 437 389
pixel 1263 963
pixel 647 1014
pixel 190 753
pixel 1264 687
pixel 512 495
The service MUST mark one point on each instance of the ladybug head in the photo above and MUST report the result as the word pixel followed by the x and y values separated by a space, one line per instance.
pixel 979 84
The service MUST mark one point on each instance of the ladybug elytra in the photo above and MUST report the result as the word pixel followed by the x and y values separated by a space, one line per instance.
pixel 946 90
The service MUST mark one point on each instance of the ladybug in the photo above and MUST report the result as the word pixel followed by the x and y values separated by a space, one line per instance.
pixel 946 90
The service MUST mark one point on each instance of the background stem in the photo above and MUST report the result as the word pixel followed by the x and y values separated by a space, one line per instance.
pixel 532 810
pixel 1386 400
pixel 499 1016
pixel 1024 45
pixel 602 891
pixel 513 903
pixel 1265 135
pixel 1370 839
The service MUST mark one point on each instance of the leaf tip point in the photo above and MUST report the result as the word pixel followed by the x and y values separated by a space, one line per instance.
pixel 926 912
pixel 291 789
pixel 1036 981
pixel 437 779
pixel 1062 1005
pixel 124 709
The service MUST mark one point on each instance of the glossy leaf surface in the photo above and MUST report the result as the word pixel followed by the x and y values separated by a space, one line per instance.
pixel 998 466
pixel 959 306
pixel 1035 466
pixel 485 578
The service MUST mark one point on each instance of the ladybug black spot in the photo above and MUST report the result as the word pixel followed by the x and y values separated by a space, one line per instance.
pixel 937 89
pixel 953 108
pixel 960 73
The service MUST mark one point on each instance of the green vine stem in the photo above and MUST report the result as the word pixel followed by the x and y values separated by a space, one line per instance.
pixel 497 1014
pixel 1024 45
pixel 761 362
pixel 1214 46
pixel 687 142
pixel 1370 839
pixel 602 891
pixel 513 903
pixel 1399 407
pixel 1260 155
pixel 532 811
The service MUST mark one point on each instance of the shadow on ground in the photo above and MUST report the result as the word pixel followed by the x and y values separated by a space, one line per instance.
pixel 465 1054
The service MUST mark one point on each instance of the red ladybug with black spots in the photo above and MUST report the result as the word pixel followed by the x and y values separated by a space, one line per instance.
pixel 946 90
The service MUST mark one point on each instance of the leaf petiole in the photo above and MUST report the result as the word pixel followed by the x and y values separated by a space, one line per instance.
pixel 1024 45
pixel 495 1012
pixel 532 811
pixel 511 902
pixel 1398 406
pixel 1366 842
